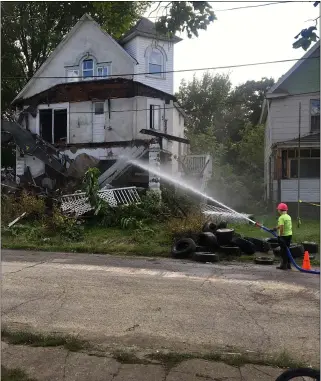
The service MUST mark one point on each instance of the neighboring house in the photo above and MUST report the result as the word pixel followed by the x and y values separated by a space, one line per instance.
pixel 293 104
pixel 94 95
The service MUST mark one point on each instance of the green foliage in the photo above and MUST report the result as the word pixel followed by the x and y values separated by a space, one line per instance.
pixel 189 227
pixel 12 207
pixel 67 227
pixel 189 16
pixel 305 38
pixel 223 123
pixel 91 189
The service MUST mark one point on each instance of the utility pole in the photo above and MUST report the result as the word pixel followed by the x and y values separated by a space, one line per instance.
pixel 299 165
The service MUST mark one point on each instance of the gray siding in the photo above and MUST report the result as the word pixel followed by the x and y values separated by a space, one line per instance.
pixel 284 117
pixel 309 190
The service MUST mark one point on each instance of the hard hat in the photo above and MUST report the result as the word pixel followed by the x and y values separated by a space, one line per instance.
pixel 283 207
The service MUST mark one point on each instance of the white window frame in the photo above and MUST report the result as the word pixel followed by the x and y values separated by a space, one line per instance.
pixel 86 70
pixel 160 75
pixel 53 106
pixel 74 77
pixel 108 67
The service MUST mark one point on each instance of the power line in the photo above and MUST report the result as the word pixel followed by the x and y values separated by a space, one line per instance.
pixel 217 10
pixel 171 71
pixel 240 102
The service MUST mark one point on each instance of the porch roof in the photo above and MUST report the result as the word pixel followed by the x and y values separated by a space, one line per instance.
pixel 310 140
pixel 82 91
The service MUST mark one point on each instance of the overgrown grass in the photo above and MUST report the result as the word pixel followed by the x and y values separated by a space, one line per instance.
pixel 14 375
pixel 157 242
pixel 70 343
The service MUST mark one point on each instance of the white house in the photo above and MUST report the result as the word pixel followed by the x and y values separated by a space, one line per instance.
pixel 95 95
pixel 291 113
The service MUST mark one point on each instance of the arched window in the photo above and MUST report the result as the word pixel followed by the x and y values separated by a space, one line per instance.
pixel 155 62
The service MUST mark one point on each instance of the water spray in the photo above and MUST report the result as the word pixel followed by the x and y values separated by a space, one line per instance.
pixel 192 189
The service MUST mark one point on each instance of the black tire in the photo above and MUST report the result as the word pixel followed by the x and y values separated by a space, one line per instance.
pixel 209 227
pixel 183 248
pixel 205 257
pixel 230 250
pixel 311 247
pixel 208 240
pixel 297 251
pixel 261 245
pixel 300 372
pixel 222 225
pixel 224 236
pixel 264 260
pixel 200 249
pixel 274 242
pixel 246 247
pixel 237 235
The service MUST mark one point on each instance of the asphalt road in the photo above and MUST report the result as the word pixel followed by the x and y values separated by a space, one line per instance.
pixel 163 303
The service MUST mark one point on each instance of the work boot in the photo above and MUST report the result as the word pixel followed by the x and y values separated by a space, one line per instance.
pixel 282 267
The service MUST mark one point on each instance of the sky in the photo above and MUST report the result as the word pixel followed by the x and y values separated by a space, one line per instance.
pixel 246 36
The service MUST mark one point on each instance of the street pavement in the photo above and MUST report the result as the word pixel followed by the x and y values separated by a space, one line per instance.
pixel 163 304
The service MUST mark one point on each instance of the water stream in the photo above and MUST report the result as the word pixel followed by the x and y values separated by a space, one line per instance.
pixel 185 185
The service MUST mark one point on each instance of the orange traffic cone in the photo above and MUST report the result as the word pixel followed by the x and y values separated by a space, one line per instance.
pixel 306 261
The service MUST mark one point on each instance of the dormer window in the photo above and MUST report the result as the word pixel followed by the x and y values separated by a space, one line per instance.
pixel 88 68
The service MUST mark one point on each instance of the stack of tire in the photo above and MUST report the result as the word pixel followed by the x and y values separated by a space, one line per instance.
pixel 297 250
pixel 215 239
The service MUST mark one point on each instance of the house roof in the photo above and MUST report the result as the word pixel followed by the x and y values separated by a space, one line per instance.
pixel 146 28
pixel 275 91
pixel 63 42
pixel 293 68
pixel 82 91
pixel 310 139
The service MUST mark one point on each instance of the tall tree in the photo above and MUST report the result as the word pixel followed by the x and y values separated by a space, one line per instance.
pixel 31 30
pixel 223 122
pixel 307 36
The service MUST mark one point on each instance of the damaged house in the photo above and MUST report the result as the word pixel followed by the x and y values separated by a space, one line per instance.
pixel 95 100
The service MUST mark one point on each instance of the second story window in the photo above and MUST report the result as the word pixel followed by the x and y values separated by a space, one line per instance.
pixel 73 75
pixel 88 68
pixel 155 63
pixel 103 71
pixel 315 114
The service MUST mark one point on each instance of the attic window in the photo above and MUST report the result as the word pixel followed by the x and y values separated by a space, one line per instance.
pixel 88 68
pixel 155 63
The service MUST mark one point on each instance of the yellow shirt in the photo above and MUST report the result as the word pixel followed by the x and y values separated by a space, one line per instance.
pixel 286 221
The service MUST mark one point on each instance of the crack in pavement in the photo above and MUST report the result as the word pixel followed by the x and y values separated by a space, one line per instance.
pixel 25 268
pixel 5 313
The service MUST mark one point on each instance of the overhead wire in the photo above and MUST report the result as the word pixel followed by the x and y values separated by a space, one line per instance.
pixel 171 71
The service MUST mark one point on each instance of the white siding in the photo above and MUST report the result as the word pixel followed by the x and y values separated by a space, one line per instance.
pixel 80 122
pixel 99 153
pixel 137 48
pixel 284 117
pixel 88 38
pixel 309 190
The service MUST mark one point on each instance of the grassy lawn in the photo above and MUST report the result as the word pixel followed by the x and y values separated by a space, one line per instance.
pixel 135 242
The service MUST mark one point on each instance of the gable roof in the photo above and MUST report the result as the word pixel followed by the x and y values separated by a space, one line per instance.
pixel 63 42
pixel 146 28
pixel 273 93
pixel 293 68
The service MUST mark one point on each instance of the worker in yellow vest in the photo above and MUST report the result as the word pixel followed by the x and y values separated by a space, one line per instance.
pixel 284 230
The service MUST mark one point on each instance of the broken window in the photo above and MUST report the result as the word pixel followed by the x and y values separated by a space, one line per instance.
pixel 309 163
pixel 53 125
pixel 155 117
pixel 315 114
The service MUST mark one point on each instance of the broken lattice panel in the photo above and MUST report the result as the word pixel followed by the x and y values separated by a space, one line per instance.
pixel 77 203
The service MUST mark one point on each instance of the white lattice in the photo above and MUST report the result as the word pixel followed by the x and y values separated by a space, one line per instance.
pixel 77 203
